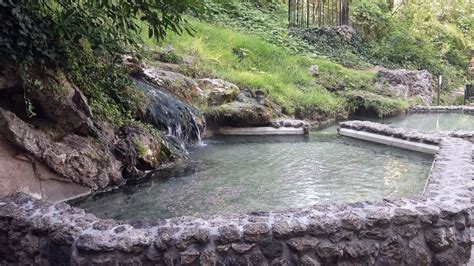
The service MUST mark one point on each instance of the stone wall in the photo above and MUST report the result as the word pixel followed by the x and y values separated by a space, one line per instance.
pixel 432 230
pixel 443 109
pixel 433 138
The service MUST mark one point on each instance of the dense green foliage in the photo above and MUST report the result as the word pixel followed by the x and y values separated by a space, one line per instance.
pixel 111 93
pixel 86 39
pixel 433 35
pixel 259 53
pixel 372 18
pixel 244 41
pixel 43 31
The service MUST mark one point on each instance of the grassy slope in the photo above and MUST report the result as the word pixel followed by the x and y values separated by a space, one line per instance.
pixel 252 61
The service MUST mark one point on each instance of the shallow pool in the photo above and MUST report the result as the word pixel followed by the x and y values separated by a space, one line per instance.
pixel 435 122
pixel 244 174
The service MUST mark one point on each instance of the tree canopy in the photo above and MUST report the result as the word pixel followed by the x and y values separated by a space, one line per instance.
pixel 42 30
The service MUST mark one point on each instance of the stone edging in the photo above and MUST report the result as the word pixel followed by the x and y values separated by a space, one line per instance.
pixel 431 230
pixel 443 109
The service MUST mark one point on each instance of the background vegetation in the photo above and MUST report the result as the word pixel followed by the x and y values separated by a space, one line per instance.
pixel 86 39
pixel 246 42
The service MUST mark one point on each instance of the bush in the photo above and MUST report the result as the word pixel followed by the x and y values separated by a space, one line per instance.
pixel 111 93
pixel 372 18
pixel 43 31
pixel 86 39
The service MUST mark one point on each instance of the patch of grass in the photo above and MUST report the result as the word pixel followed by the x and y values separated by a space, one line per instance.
pixel 253 63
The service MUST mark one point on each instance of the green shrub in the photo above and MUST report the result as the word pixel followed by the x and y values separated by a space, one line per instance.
pixel 111 93
pixel 372 18
pixel 43 31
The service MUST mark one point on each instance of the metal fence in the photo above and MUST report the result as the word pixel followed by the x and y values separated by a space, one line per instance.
pixel 318 13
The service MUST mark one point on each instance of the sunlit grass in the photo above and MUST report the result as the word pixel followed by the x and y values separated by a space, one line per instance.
pixel 253 63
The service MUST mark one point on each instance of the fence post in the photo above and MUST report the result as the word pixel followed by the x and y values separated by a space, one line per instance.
pixel 440 83
pixel 289 11
pixel 307 13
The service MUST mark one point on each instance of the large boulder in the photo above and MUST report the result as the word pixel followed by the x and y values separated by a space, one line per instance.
pixel 407 84
pixel 218 91
pixel 81 159
pixel 21 172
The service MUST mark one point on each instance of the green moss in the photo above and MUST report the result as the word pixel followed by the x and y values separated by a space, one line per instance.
pixel 167 152
pixel 140 148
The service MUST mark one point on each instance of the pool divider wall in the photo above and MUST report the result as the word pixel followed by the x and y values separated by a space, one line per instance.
pixel 390 141
pixel 443 109
pixel 434 229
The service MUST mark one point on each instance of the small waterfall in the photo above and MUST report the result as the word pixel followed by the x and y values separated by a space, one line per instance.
pixel 199 134
pixel 182 123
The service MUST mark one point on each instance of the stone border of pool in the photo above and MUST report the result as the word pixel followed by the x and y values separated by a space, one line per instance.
pixel 443 109
pixel 432 230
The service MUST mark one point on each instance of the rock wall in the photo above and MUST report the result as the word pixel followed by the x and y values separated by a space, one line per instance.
pixel 407 84
pixel 19 171
pixel 443 109
pixel 414 135
pixel 64 139
pixel 433 230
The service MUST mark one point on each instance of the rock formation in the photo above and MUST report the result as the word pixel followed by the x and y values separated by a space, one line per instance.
pixel 407 84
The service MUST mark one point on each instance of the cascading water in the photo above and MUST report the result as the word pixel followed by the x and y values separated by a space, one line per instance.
pixel 182 122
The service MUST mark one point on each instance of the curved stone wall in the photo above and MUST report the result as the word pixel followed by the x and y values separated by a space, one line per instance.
pixel 432 230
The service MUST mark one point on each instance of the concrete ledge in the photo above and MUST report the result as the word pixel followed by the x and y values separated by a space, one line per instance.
pixel 405 144
pixel 261 131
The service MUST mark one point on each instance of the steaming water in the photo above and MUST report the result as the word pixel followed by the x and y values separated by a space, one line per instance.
pixel 243 174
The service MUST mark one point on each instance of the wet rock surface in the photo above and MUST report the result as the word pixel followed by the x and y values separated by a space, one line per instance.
pixel 432 230
pixel 138 150
pixel 185 88
pixel 62 138
pixel 182 122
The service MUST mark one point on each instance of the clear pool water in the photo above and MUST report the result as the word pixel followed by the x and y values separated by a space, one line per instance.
pixel 243 174
pixel 435 122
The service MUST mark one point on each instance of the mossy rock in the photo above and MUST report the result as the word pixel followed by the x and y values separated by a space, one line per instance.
pixel 139 150
pixel 218 91
pixel 240 114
